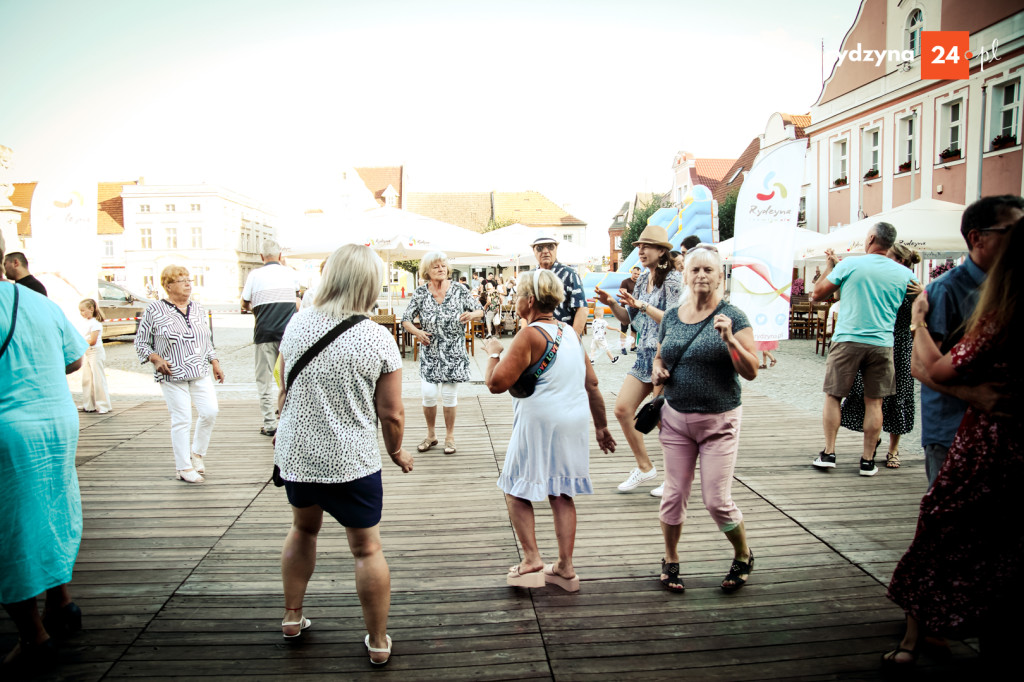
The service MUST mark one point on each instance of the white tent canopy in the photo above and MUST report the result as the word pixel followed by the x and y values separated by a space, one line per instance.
pixel 396 235
pixel 928 226
pixel 804 240
pixel 512 243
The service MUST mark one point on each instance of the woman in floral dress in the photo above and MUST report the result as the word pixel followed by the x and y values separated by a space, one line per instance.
pixel 442 310
pixel 962 574
pixel 656 290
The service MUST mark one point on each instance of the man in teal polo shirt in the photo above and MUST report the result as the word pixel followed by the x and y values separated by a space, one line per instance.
pixel 871 287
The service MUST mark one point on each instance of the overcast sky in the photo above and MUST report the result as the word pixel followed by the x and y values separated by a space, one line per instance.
pixel 585 101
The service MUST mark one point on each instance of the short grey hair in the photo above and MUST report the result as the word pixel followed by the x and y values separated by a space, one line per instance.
pixel 430 259
pixel 350 283
pixel 885 234
pixel 270 249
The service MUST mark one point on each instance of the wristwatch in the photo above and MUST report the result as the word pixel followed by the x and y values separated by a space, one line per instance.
pixel 923 325
pixel 643 307
pixel 495 355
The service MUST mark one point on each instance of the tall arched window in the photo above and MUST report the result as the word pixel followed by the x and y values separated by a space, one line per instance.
pixel 915 22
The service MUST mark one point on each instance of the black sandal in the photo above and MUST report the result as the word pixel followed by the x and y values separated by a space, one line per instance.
pixel 737 569
pixel 672 581
pixel 889 659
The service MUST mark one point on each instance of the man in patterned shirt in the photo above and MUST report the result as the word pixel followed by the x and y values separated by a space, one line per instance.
pixel 272 294
pixel 573 309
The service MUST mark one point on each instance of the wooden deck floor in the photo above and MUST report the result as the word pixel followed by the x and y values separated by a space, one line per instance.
pixel 181 581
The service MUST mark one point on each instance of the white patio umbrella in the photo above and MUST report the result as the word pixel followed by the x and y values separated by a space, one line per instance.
pixel 516 241
pixel 929 226
pixel 396 235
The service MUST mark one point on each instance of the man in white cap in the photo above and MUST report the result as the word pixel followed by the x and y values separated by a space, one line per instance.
pixel 573 308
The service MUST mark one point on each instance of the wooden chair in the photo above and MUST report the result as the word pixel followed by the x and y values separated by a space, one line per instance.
pixel 823 339
pixel 820 324
pixel 470 338
pixel 801 321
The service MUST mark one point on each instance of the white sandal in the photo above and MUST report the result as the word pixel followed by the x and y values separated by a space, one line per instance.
pixel 188 475
pixel 378 651
pixel 197 463
pixel 303 624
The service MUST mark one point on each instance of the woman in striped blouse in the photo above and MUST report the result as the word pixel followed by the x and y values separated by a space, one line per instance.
pixel 174 336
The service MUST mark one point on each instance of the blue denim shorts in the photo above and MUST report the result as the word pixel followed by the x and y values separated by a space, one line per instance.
pixel 355 504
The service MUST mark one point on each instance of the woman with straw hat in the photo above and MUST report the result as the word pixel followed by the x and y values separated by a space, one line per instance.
pixel 656 290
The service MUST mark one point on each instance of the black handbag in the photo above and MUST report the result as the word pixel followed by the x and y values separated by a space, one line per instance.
pixel 526 384
pixel 650 413
pixel 304 359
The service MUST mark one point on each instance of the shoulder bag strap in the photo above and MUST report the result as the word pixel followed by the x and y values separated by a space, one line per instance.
pixel 549 357
pixel 694 338
pixel 322 343
pixel 14 321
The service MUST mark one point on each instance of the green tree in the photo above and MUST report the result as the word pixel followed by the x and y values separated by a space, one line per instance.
pixel 638 222
pixel 498 223
pixel 727 216
pixel 412 266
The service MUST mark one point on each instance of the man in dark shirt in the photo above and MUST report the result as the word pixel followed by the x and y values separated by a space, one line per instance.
pixel 628 337
pixel 573 309
pixel 16 270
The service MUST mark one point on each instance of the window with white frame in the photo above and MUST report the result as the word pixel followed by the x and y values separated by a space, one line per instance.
pixel 143 208
pixel 952 130
pixel 145 238
pixel 197 280
pixel 147 280
pixel 194 208
pixel 872 147
pixel 172 237
pixel 906 151
pixel 108 248
pixel 169 208
pixel 197 237
pixel 912 41
pixel 840 157
pixel 1006 112
pixel 567 237
pixel 618 242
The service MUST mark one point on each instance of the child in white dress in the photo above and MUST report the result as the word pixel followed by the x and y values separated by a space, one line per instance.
pixel 96 397
pixel 600 330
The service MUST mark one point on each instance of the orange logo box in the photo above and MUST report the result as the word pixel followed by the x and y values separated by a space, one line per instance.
pixel 945 55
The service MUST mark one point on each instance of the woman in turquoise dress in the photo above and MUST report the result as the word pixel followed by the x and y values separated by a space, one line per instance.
pixel 41 506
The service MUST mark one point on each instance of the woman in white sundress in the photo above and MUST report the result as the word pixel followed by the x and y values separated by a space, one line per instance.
pixel 548 455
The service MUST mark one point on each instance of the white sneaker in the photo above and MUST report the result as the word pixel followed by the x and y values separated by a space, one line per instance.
pixel 659 491
pixel 636 477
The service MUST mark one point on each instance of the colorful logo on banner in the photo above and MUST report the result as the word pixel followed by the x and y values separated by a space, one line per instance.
pixel 778 185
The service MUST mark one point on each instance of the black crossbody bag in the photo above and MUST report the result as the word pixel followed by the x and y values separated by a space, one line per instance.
pixel 304 359
pixel 650 414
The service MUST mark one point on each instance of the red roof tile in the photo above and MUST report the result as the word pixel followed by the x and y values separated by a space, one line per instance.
pixel 743 163
pixel 22 197
pixel 110 207
pixel 377 179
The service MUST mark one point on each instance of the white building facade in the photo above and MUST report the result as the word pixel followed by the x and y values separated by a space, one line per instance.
pixel 212 231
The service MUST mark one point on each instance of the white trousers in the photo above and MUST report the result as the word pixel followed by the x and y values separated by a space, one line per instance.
pixel 180 397
pixel 449 394
pixel 95 394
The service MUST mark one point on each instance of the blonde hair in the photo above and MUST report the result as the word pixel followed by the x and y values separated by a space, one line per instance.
pixel 905 255
pixel 97 314
pixel 171 273
pixel 428 261
pixel 544 286
pixel 350 283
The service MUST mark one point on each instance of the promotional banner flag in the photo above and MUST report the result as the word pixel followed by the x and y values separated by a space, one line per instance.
pixel 765 229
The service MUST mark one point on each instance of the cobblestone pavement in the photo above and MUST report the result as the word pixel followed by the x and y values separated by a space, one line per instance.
pixel 795 380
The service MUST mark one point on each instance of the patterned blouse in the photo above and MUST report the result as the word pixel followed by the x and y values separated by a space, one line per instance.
pixel 328 427
pixel 664 297
pixel 444 360
pixel 182 339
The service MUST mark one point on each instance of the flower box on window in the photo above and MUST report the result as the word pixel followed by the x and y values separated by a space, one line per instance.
pixel 904 167
pixel 949 154
pixel 871 174
pixel 1003 141
pixel 839 182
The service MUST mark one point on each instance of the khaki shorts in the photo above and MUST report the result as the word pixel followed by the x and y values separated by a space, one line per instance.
pixel 875 362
